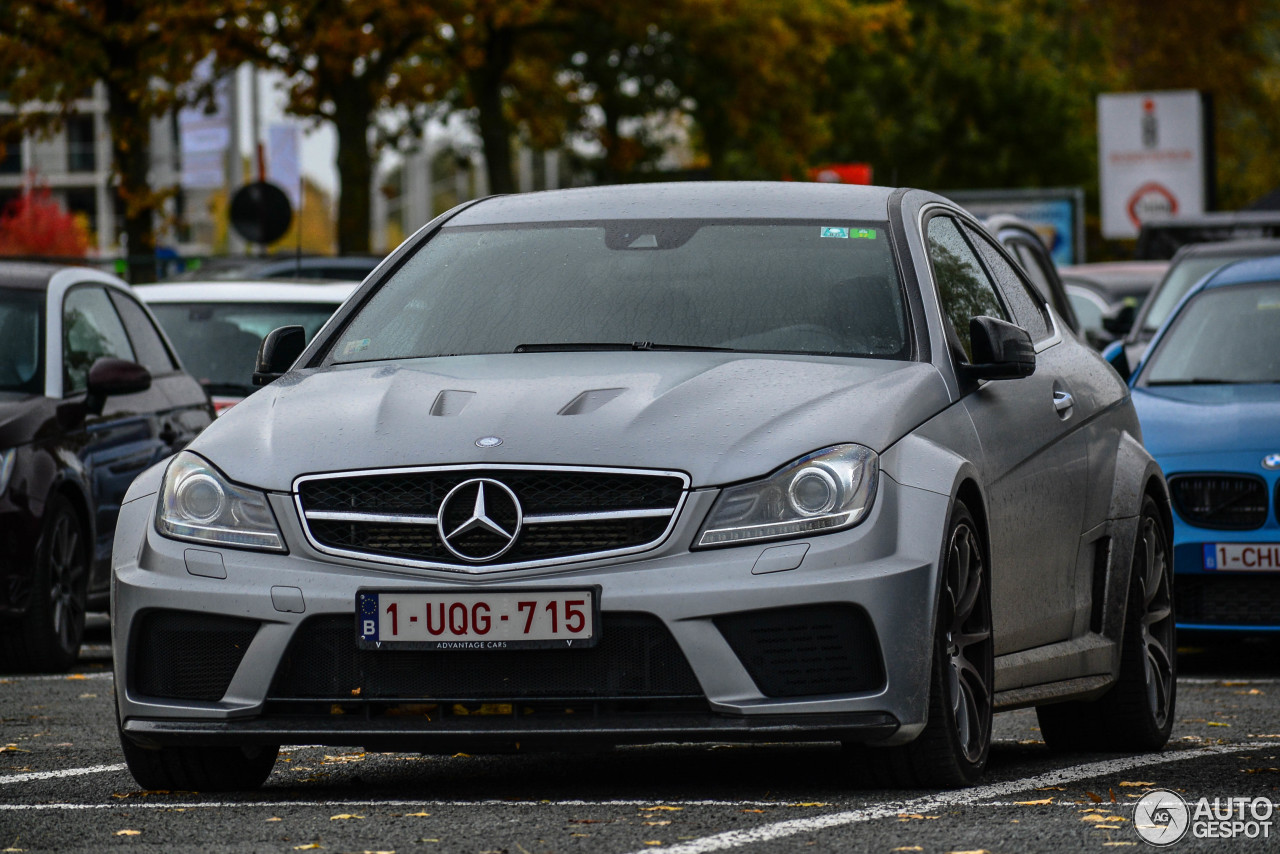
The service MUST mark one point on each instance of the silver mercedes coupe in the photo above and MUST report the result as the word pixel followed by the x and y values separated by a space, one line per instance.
pixel 660 463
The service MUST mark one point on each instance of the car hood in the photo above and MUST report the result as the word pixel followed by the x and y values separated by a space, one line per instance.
pixel 720 417
pixel 1194 419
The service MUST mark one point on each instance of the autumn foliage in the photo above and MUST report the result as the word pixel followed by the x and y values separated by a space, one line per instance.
pixel 36 224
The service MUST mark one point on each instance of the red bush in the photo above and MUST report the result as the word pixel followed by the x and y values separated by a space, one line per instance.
pixel 36 224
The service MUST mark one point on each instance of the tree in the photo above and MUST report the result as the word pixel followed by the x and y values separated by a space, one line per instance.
pixel 973 93
pixel 364 66
pixel 35 224
pixel 52 52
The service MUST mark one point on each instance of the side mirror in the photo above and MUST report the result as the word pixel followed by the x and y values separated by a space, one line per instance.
pixel 1120 321
pixel 1117 357
pixel 1001 351
pixel 109 377
pixel 279 350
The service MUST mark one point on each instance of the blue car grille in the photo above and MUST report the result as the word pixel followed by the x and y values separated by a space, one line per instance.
pixel 1231 502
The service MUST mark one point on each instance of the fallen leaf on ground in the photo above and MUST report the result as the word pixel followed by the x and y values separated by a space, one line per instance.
pixel 1038 803
pixel 813 804
pixel 275 818
pixel 1050 789
pixel 1217 723
pixel 753 810
pixel 1112 792
pixel 128 832
pixel 663 808
pixel 657 823
pixel 344 817
pixel 310 846
pixel 1097 799
pixel 76 677
pixel 418 814
pixel 1126 783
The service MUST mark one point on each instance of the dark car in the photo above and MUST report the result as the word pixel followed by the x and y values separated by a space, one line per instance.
pixel 1021 240
pixel 1191 264
pixel 1106 295
pixel 1162 238
pixel 90 395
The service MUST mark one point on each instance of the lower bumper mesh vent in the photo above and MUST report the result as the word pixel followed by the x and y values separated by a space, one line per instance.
pixel 804 651
pixel 181 655
pixel 636 657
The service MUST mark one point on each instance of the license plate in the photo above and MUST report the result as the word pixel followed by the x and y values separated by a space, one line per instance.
pixel 488 620
pixel 1242 557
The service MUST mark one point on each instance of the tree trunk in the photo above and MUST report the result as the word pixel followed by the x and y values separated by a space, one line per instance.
pixel 131 163
pixel 355 169
pixel 486 88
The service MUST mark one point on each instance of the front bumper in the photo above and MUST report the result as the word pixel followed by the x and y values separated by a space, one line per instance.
pixel 885 569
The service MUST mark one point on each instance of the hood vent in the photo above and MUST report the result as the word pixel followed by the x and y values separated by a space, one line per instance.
pixel 451 402
pixel 590 401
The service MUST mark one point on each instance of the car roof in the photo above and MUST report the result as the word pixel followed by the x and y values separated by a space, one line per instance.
pixel 1247 272
pixel 271 290
pixel 1230 248
pixel 27 275
pixel 685 200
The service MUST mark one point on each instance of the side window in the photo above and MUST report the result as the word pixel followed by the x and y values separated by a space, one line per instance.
pixel 146 341
pixel 91 329
pixel 1028 308
pixel 963 286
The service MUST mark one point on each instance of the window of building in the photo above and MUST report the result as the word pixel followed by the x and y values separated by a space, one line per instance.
pixel 82 153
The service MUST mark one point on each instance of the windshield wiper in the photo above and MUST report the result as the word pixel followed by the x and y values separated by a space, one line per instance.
pixel 1198 381
pixel 573 347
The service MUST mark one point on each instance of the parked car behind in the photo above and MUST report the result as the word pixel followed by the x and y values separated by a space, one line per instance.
pixel 655 462
pixel 218 326
pixel 1208 395
pixel 1106 295
pixel 90 395
pixel 1020 239
pixel 1191 264
pixel 338 268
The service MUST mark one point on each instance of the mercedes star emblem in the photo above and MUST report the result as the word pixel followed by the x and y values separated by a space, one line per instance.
pixel 488 442
pixel 479 520
pixel 1271 461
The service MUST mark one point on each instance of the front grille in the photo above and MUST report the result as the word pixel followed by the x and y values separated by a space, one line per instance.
pixel 566 514
pixel 808 650
pixel 1240 600
pixel 181 655
pixel 635 657
pixel 1225 501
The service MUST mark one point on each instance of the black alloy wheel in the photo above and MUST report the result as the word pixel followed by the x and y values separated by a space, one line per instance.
pixel 952 750
pixel 47 638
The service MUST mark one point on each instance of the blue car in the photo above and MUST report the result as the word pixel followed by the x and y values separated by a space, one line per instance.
pixel 1208 398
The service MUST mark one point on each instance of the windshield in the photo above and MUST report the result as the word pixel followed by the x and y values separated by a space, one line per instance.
pixel 1177 282
pixel 218 342
pixel 1224 335
pixel 21 341
pixel 790 286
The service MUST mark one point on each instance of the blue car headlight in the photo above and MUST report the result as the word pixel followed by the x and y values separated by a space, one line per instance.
pixel 827 490
pixel 199 505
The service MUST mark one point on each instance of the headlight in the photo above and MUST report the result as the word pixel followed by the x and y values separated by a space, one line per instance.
pixel 7 459
pixel 199 505
pixel 824 491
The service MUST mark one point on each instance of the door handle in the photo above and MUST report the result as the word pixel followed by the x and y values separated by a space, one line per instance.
pixel 1062 401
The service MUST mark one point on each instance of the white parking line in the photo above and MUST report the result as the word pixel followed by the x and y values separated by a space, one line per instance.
pixel 53 775
pixel 783 829
pixel 162 805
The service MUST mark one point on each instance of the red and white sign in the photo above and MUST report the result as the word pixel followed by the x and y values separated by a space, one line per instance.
pixel 1151 158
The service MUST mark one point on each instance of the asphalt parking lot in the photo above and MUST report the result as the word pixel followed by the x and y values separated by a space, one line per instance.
pixel 64 787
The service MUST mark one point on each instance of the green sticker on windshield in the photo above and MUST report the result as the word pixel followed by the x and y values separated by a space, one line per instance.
pixel 355 346
pixel 864 233
pixel 832 231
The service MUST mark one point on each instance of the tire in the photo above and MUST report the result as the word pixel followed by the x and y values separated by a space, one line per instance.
pixel 47 638
pixel 952 750
pixel 199 769
pixel 1136 714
